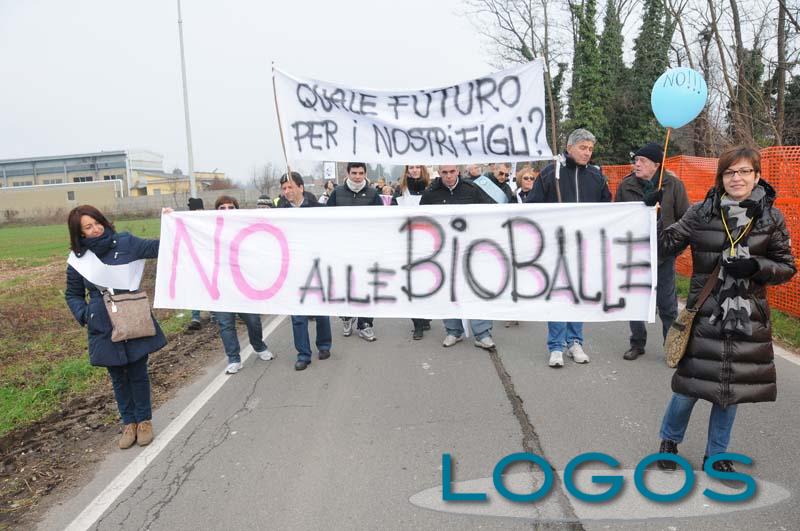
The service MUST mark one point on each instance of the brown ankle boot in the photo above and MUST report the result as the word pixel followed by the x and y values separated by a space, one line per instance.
pixel 144 433
pixel 128 436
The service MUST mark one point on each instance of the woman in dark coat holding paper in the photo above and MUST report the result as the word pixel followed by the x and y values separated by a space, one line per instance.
pixel 92 235
pixel 729 357
pixel 414 180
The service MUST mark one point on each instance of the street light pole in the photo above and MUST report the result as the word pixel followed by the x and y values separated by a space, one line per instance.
pixel 192 185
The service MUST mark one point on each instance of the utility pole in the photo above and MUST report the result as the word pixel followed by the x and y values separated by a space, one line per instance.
pixel 192 184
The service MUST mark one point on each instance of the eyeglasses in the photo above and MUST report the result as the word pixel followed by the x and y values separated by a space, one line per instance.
pixel 503 173
pixel 744 172
pixel 526 178
pixel 226 207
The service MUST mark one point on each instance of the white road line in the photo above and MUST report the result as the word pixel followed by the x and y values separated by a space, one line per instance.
pixel 103 501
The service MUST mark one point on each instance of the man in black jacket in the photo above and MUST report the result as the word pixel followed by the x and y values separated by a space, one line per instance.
pixel 577 182
pixel 356 191
pixel 642 183
pixel 451 189
pixel 500 178
pixel 293 190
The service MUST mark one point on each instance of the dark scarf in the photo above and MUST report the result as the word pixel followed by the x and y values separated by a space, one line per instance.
pixel 732 298
pixel 415 186
pixel 101 244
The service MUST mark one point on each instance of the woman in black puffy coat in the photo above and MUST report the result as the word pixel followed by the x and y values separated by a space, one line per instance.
pixel 126 361
pixel 729 358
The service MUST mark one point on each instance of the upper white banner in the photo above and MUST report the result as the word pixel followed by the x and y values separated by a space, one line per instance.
pixel 499 117
pixel 553 262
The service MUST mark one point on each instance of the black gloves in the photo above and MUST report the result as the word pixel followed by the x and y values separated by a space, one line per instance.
pixel 740 267
pixel 652 197
pixel 754 208
pixel 195 203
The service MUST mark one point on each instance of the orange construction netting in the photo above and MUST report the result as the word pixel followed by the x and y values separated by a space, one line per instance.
pixel 780 166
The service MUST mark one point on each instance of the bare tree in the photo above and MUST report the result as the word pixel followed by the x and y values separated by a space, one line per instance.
pixel 520 31
pixel 267 179
pixel 748 53
pixel 780 103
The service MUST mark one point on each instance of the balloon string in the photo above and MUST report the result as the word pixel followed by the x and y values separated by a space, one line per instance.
pixel 664 159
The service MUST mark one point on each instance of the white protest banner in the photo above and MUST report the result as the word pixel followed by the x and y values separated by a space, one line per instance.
pixel 496 117
pixel 555 262
pixel 329 171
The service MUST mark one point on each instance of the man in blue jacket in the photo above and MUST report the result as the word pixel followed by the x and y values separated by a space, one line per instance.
pixel 293 190
pixel 577 182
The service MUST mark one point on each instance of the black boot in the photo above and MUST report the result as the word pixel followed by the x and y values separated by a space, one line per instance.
pixel 633 353
pixel 667 447
pixel 418 326
pixel 723 465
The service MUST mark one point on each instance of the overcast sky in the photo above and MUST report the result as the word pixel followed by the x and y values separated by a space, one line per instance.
pixel 88 75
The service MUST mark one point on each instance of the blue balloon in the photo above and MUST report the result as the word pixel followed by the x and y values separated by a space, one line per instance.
pixel 678 96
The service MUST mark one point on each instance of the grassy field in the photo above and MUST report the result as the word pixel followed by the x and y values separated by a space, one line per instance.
pixel 43 360
pixel 37 245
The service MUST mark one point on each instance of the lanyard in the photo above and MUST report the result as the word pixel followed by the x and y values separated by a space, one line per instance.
pixel 728 232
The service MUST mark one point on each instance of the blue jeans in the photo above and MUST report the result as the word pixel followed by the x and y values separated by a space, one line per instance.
pixel 131 385
pixel 666 302
pixel 720 424
pixel 480 328
pixel 196 315
pixel 301 340
pixel 230 340
pixel 561 335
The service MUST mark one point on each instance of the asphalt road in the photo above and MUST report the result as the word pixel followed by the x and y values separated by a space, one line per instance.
pixel 356 441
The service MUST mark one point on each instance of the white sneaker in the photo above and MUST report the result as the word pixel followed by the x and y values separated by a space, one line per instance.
pixel 449 341
pixel 486 343
pixel 233 368
pixel 347 326
pixel 367 333
pixel 266 355
pixel 577 354
pixel 556 359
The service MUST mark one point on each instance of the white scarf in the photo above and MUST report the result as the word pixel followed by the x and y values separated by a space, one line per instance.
pixel 356 187
pixel 125 276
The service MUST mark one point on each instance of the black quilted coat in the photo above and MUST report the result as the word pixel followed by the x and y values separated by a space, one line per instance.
pixel 728 368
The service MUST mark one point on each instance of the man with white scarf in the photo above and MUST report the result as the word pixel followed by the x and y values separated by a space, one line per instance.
pixel 356 191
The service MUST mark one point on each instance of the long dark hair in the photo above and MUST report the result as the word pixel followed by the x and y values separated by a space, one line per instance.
pixel 74 224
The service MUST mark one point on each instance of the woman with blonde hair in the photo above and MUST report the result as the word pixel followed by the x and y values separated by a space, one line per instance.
pixel 413 181
pixel 525 180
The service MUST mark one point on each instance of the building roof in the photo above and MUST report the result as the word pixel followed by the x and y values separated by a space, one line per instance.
pixel 167 178
pixel 62 157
